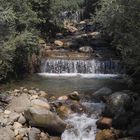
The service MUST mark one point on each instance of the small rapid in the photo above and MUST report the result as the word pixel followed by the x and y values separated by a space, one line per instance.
pixel 83 126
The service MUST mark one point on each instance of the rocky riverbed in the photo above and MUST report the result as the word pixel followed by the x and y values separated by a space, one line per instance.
pixel 32 114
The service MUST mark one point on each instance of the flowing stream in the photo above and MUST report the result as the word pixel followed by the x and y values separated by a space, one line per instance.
pixel 83 126
pixel 86 76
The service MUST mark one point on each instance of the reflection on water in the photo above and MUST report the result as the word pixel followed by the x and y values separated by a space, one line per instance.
pixel 64 85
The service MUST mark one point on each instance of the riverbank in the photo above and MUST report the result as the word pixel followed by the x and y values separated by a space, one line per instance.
pixel 33 114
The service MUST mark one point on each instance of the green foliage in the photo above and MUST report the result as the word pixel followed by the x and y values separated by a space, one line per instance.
pixel 120 20
pixel 21 24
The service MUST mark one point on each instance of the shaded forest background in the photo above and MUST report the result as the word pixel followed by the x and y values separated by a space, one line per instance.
pixel 23 23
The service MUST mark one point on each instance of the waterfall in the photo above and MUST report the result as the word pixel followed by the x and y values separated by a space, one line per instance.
pixel 64 66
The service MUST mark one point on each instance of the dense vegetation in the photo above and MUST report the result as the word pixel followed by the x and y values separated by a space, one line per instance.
pixel 22 22
pixel 120 20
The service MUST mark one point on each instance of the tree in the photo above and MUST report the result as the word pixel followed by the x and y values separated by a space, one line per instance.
pixel 120 20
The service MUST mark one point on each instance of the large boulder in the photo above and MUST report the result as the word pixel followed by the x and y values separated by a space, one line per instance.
pixel 117 102
pixel 43 118
pixel 86 49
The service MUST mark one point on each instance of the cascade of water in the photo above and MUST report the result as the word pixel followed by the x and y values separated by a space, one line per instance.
pixel 58 66
pixel 83 126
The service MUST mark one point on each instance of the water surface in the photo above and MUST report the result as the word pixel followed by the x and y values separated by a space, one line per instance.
pixel 64 85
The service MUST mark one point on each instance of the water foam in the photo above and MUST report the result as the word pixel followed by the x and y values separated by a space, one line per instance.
pixel 78 75
pixel 84 128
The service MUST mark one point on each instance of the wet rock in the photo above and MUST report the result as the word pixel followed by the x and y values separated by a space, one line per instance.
pixel 105 91
pixel 45 119
pixel 117 102
pixel 78 108
pixel 104 123
pixel 6 134
pixel 86 49
pixel 74 96
pixel 105 134
pixel 40 104
pixel 63 98
pixel 64 111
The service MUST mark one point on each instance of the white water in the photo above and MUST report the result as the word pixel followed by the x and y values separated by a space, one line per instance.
pixel 63 66
pixel 83 126
pixel 78 75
